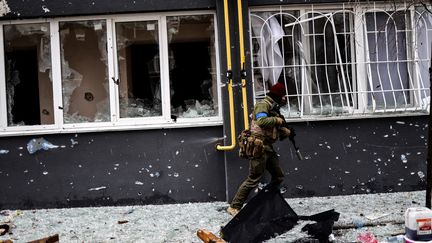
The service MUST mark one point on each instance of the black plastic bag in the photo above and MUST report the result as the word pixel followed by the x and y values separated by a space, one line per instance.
pixel 268 215
pixel 265 216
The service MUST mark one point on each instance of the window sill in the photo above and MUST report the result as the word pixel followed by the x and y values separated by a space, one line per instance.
pixel 108 127
pixel 351 116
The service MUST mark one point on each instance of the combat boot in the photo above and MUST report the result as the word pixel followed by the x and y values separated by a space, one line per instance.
pixel 233 211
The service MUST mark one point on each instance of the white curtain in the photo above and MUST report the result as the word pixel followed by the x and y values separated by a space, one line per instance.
pixel 270 57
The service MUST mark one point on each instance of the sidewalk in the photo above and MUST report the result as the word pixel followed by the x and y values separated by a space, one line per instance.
pixel 380 214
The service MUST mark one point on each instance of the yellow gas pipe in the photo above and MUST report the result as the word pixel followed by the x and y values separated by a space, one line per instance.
pixel 230 88
pixel 242 61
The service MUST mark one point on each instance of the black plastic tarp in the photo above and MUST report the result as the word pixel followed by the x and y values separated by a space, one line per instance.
pixel 264 216
pixel 268 214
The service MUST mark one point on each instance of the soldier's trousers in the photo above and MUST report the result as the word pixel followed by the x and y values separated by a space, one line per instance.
pixel 257 166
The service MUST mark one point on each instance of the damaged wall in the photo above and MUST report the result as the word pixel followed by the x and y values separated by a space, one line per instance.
pixel 181 165
pixel 350 157
pixel 42 8
pixel 118 168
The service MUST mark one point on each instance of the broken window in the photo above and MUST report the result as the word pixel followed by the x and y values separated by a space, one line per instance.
pixel 268 36
pixel 389 77
pixel 111 71
pixel 84 71
pixel 139 69
pixel 343 62
pixel 28 74
pixel 311 54
pixel 192 66
pixel 331 66
pixel 423 38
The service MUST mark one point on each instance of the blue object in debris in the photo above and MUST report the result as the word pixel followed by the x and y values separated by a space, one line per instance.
pixel 358 222
pixel 395 239
pixel 37 144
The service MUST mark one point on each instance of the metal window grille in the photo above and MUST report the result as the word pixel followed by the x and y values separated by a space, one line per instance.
pixel 344 62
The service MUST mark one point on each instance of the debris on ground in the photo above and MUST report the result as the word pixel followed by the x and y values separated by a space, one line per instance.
pixel 50 239
pixel 4 228
pixel 180 222
pixel 208 237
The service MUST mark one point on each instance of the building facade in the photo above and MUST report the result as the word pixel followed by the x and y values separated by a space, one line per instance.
pixel 140 102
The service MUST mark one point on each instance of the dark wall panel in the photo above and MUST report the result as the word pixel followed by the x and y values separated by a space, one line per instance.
pixel 42 8
pixel 113 168
pixel 285 2
pixel 350 157
pixel 182 165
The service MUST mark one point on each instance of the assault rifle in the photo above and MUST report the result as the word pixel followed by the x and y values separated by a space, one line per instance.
pixel 276 108
pixel 291 136
pixel 297 150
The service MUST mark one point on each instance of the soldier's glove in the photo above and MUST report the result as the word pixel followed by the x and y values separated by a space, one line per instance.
pixel 284 133
pixel 279 121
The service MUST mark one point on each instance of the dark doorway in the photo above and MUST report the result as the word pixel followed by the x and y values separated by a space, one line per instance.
pixel 23 64
pixel 142 78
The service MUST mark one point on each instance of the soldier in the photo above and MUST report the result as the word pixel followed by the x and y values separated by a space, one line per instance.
pixel 265 130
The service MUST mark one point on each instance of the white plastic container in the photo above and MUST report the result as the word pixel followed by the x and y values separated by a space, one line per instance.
pixel 418 224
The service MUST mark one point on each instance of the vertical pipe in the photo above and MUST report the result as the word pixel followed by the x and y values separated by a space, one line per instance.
pixel 230 84
pixel 242 63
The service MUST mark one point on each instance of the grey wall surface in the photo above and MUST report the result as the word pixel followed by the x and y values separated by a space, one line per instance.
pixel 182 165
pixel 42 8
pixel 281 2
pixel 115 168
pixel 350 157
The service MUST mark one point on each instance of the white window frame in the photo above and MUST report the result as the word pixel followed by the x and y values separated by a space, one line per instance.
pixel 359 61
pixel 83 125
pixel 191 121
pixel 3 102
pixel 116 123
pixel 164 118
pixel 3 96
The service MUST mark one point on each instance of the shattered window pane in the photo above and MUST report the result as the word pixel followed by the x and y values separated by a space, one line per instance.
pixel 311 54
pixel 139 69
pixel 192 66
pixel 28 74
pixel 277 54
pixel 389 79
pixel 84 71
pixel 331 62
pixel 423 27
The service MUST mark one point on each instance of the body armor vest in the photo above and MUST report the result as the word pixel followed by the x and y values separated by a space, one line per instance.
pixel 268 135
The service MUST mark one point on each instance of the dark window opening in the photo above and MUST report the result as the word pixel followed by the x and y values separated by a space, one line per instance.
pixel 27 56
pixel 191 79
pixel 139 69
pixel 144 80
pixel 22 78
pixel 192 64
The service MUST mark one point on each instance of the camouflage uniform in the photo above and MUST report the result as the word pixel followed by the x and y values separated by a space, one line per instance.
pixel 264 126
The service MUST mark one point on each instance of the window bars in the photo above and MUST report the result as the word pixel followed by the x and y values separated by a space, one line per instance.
pixel 347 62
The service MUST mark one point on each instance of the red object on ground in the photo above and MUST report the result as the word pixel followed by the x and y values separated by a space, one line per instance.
pixel 367 237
